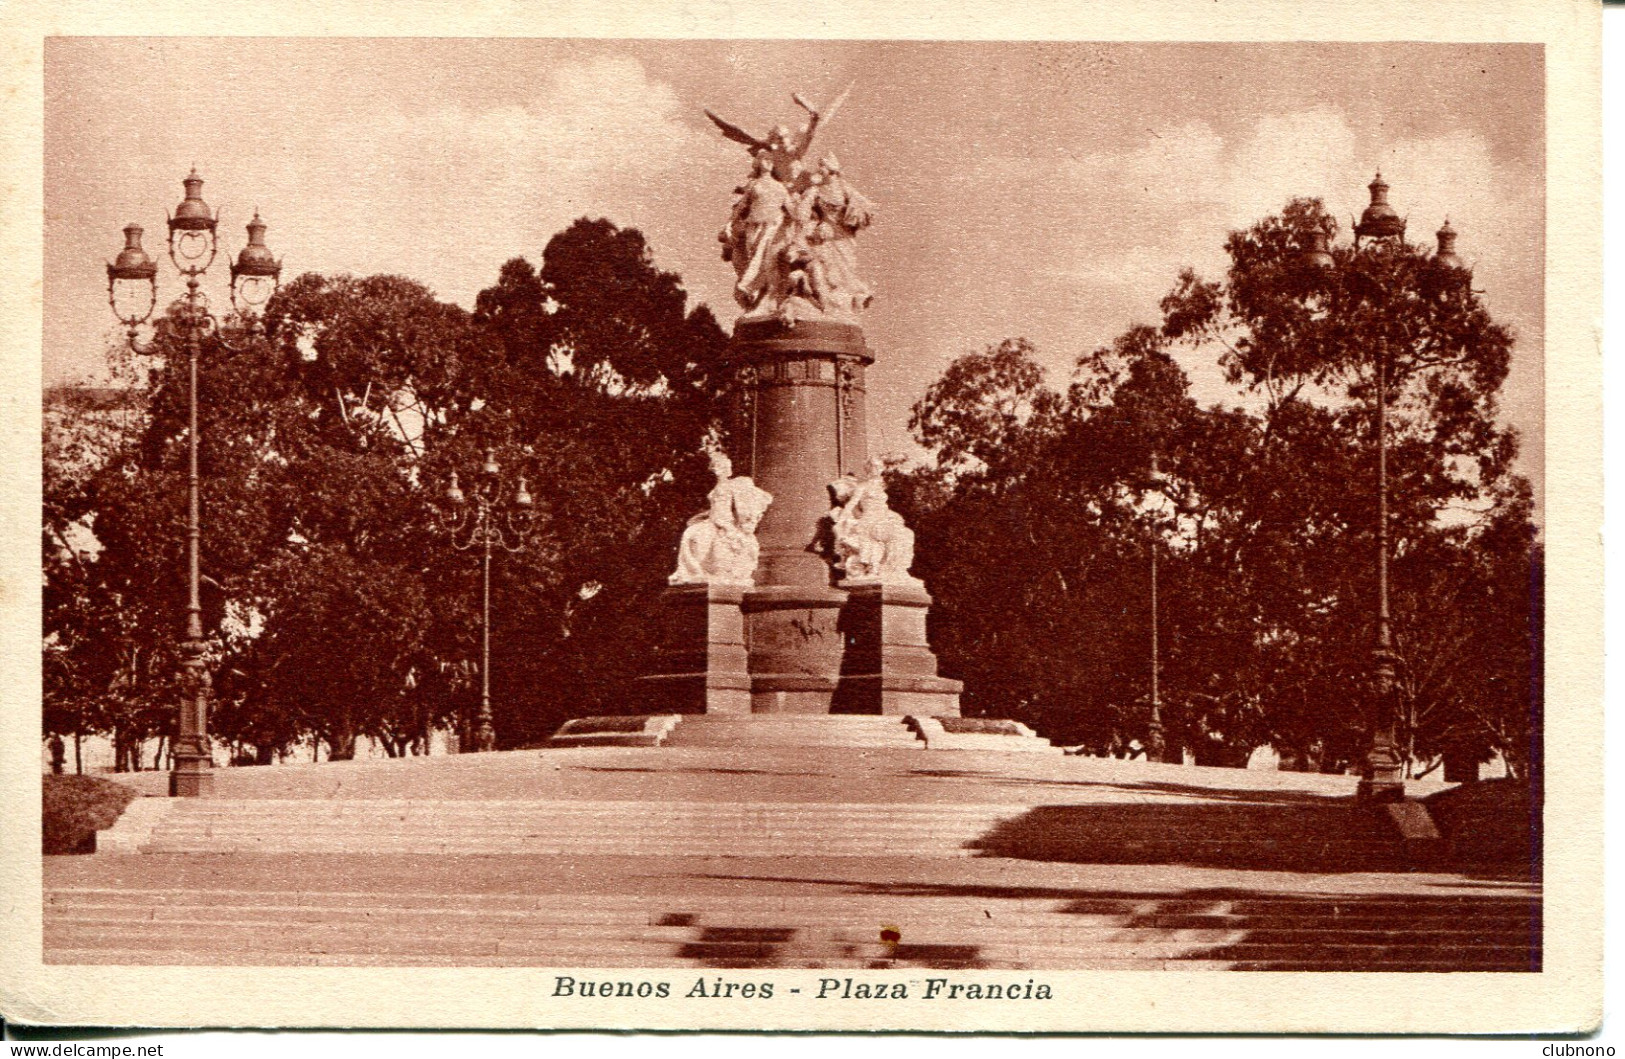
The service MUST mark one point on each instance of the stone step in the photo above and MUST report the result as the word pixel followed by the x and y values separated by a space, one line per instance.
pixel 1159 911
pixel 701 740
pixel 1332 815
pixel 605 959
pixel 721 739
pixel 725 846
pixel 710 945
pixel 721 850
pixel 856 722
pixel 76 929
pixel 382 931
pixel 842 907
pixel 611 959
pixel 855 731
pixel 710 810
pixel 1484 933
pixel 1333 821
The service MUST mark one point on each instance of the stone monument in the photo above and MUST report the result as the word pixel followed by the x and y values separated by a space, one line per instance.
pixel 818 613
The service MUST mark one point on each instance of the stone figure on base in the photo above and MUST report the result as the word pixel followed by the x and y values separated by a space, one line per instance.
pixel 839 213
pixel 719 546
pixel 872 543
pixel 751 241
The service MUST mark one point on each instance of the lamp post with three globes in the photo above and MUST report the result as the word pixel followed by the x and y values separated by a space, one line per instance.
pixel 491 521
pixel 132 291
pixel 1379 230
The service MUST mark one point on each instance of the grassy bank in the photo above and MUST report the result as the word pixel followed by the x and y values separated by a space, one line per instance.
pixel 76 807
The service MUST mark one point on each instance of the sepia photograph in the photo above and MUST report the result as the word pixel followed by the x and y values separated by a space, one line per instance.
pixel 802 533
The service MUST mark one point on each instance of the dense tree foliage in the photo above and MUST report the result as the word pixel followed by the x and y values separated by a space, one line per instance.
pixel 335 604
pixel 1040 514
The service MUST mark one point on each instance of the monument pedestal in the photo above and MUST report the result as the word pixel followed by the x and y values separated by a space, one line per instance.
pixel 811 506
pixel 796 647
pixel 796 642
pixel 889 667
pixel 700 660
pixel 853 648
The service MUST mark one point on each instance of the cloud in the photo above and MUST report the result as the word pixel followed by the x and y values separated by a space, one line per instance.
pixel 450 192
pixel 1135 218
pixel 1167 202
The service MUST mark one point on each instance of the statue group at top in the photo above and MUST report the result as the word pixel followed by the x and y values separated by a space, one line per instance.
pixel 791 234
pixel 791 239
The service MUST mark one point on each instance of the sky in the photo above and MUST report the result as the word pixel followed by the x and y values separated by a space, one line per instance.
pixel 1045 190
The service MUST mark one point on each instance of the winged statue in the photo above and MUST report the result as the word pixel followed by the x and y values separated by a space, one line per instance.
pixel 781 145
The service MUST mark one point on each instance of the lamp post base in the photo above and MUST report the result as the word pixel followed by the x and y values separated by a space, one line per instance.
pixel 485 738
pixel 1158 750
pixel 1373 791
pixel 191 779
pixel 1383 780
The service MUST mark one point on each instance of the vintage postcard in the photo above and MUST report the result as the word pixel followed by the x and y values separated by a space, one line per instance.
pixel 1045 518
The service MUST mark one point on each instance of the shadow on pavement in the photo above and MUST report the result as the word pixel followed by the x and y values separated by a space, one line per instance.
pixel 1260 930
pixel 1328 837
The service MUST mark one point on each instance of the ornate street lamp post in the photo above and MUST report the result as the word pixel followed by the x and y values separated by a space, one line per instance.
pixel 489 522
pixel 1156 748
pixel 1382 778
pixel 132 291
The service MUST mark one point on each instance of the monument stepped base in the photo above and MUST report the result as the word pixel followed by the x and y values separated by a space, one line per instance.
pixel 790 729
pixel 854 731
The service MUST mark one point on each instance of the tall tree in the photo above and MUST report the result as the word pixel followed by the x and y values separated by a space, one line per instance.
pixel 608 382
pixel 1038 517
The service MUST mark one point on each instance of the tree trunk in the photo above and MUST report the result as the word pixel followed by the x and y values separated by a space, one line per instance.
pixel 341 745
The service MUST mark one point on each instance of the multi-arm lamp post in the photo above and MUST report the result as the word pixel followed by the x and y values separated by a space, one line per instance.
pixel 490 522
pixel 132 279
pixel 1383 777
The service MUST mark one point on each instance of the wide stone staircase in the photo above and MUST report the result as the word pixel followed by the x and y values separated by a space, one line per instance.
pixel 808 857
pixel 626 829
pixel 1164 830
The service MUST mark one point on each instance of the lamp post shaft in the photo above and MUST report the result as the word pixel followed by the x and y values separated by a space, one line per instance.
pixel 1382 779
pixel 191 773
pixel 485 736
pixel 194 521
pixel 1157 737
pixel 1157 742
pixel 1384 627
